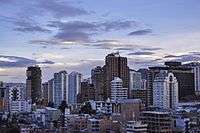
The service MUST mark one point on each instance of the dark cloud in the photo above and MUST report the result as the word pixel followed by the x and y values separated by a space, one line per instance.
pixel 140 32
pixel 24 25
pixel 82 31
pixel 170 56
pixel 123 48
pixel 60 9
pixel 142 63
pixel 77 31
pixel 141 53
pixel 187 58
pixel 118 25
pixel 44 42
pixel 151 49
pixel 15 61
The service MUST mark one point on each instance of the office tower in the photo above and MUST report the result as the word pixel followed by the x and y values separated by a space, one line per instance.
pixel 75 79
pixel 60 89
pixel 87 92
pixel 117 90
pixel 140 94
pixel 158 121
pixel 184 76
pixel 98 82
pixel 196 69
pixel 115 66
pixel 144 73
pixel 33 83
pixel 50 90
pixel 135 80
pixel 4 101
pixel 45 93
pixel 165 90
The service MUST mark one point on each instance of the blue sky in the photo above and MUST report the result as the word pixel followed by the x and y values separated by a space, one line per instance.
pixel 76 35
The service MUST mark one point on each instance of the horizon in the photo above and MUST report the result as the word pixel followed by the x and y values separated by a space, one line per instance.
pixel 77 35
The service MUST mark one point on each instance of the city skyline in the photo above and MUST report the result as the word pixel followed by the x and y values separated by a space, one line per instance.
pixel 77 35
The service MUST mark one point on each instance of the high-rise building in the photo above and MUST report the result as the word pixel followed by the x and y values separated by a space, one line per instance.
pixel 60 89
pixel 33 83
pixel 75 79
pixel 50 90
pixel 115 66
pixel 45 93
pixel 135 82
pixel 87 92
pixel 184 76
pixel 117 90
pixel 165 90
pixel 196 69
pixel 144 73
pixel 98 82
pixel 140 94
pixel 3 97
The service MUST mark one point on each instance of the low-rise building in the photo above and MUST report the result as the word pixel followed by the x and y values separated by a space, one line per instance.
pixel 136 127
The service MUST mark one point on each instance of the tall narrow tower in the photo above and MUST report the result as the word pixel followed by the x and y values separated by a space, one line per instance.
pixel 115 66
pixel 33 83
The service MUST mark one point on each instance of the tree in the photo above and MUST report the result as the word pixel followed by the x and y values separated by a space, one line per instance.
pixel 87 109
pixel 62 106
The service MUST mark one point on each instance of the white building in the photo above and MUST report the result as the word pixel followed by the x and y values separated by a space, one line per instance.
pixel 136 127
pixel 135 80
pixel 20 106
pixel 17 103
pixel 102 106
pixel 117 90
pixel 165 90
pixel 60 88
pixel 15 93
pixel 75 79
pixel 93 125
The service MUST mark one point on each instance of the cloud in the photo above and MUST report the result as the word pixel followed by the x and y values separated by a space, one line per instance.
pixel 140 32
pixel 118 25
pixel 187 58
pixel 60 9
pixel 24 25
pixel 44 42
pixel 141 53
pixel 15 61
pixel 151 49
pixel 170 56
pixel 81 31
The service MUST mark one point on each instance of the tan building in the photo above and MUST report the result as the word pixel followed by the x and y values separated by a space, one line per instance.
pixel 157 121
pixel 76 123
pixel 128 109
pixel 104 125
pixel 140 94
pixel 87 92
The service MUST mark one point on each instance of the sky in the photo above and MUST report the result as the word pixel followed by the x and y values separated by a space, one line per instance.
pixel 76 35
